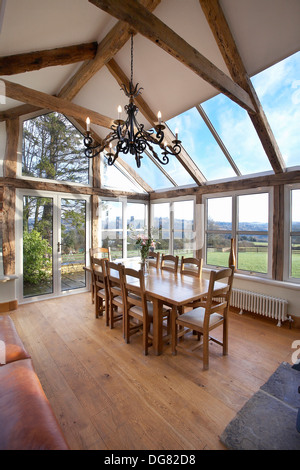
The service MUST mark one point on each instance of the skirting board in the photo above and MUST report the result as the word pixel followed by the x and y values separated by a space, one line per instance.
pixel 8 306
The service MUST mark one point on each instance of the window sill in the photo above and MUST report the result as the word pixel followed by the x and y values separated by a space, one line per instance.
pixel 263 280
pixel 8 278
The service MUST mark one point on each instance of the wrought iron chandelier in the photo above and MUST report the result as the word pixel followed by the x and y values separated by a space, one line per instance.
pixel 130 135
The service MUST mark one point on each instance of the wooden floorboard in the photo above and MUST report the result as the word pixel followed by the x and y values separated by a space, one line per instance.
pixel 107 395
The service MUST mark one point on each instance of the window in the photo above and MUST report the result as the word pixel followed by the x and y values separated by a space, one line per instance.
pixel 245 217
pixel 52 148
pixel 118 219
pixel 292 268
pixel 184 234
pixel 252 232
pixel 218 230
pixel 112 227
pixel 136 215
pixel 174 227
pixel 161 223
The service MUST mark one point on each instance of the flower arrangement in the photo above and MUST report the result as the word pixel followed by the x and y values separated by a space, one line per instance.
pixel 143 241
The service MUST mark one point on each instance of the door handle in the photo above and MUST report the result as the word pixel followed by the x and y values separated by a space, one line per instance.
pixel 58 246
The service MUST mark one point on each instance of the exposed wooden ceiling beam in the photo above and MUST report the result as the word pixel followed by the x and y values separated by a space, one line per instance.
pixel 20 63
pixel 236 184
pixel 156 31
pixel 44 101
pixel 224 38
pixel 107 48
pixel 147 112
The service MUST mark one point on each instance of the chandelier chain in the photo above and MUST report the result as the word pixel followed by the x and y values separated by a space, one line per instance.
pixel 131 79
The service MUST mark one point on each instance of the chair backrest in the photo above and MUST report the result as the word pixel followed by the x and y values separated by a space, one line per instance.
pixel 134 289
pixel 99 272
pixel 172 263
pixel 191 266
pixel 100 252
pixel 218 298
pixel 153 258
pixel 114 274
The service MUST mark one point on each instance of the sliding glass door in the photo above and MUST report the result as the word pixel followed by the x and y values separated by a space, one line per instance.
pixel 54 233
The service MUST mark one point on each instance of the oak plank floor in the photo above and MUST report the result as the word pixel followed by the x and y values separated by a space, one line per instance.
pixel 108 395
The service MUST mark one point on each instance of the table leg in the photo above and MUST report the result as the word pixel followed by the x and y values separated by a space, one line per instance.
pixel 157 326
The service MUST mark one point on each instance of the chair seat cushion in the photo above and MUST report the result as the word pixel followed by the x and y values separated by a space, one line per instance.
pixel 101 293
pixel 196 317
pixel 118 300
pixel 139 311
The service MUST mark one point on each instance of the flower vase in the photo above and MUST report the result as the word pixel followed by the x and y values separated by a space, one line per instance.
pixel 143 263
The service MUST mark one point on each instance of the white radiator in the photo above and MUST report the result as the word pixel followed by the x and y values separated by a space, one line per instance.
pixel 260 303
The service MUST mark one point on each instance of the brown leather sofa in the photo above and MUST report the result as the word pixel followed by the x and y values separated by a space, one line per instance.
pixel 27 421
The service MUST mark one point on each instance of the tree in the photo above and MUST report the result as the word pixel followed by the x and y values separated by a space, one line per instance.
pixel 53 149
pixel 37 258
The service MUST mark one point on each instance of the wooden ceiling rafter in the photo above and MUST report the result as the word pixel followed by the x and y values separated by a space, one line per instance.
pixel 228 48
pixel 45 101
pixel 27 62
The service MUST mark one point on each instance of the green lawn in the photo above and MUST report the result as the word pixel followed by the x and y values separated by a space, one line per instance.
pixel 255 261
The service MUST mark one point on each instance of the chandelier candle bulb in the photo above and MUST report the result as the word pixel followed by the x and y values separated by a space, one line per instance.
pixel 88 122
pixel 176 133
pixel 159 117
pixel 119 112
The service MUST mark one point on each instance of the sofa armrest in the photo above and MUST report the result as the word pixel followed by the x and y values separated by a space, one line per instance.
pixel 27 420
pixel 14 347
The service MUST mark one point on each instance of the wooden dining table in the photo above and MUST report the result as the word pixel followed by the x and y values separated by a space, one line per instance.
pixel 164 287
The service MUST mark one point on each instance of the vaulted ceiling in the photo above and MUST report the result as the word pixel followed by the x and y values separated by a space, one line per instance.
pixel 185 52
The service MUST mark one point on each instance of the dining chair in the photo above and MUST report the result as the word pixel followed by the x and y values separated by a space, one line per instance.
pixel 101 294
pixel 114 273
pixel 202 320
pixel 138 310
pixel 191 266
pixel 153 259
pixel 172 263
pixel 136 306
pixel 101 253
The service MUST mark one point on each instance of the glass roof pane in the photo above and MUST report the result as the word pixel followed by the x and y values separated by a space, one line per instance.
pixel 112 177
pixel 237 132
pixel 201 145
pixel 278 89
pixel 149 172
pixel 177 172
